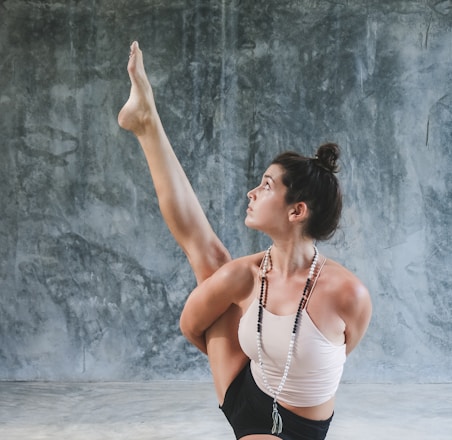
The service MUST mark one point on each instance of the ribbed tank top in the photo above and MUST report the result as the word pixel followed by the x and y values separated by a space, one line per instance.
pixel 317 363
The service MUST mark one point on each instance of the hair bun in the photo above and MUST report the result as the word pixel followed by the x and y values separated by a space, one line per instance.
pixel 327 156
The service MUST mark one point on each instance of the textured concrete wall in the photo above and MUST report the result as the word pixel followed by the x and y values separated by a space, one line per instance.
pixel 91 282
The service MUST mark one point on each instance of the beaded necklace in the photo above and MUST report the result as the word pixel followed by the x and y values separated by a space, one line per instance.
pixel 277 420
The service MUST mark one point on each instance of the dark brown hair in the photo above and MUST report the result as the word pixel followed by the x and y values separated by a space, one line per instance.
pixel 312 180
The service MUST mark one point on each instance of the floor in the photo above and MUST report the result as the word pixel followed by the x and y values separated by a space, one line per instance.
pixel 177 410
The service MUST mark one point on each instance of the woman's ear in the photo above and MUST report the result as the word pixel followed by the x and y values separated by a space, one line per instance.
pixel 299 212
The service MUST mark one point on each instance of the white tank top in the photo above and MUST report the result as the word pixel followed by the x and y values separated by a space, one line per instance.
pixel 317 363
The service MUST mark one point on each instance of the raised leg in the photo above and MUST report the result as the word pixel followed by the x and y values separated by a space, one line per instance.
pixel 182 213
pixel 178 203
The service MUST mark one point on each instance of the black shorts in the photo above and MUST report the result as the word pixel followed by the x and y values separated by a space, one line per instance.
pixel 249 411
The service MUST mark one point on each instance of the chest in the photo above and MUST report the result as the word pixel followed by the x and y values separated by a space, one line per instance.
pixel 282 299
pixel 311 351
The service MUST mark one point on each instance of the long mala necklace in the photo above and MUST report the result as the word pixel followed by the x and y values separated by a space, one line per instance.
pixel 277 420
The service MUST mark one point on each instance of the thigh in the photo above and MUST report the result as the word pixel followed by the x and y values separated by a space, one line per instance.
pixel 205 252
pixel 226 357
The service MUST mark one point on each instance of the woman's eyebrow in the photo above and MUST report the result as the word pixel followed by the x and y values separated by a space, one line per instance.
pixel 268 176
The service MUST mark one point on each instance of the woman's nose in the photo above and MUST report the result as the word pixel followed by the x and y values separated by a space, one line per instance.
pixel 251 194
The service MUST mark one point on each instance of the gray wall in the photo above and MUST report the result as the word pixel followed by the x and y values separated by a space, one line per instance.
pixel 91 281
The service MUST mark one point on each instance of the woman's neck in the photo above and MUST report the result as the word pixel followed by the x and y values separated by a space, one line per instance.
pixel 291 257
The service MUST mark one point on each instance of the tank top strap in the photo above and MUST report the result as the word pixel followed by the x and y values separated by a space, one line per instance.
pixel 316 277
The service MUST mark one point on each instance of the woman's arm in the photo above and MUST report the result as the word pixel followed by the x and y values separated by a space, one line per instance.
pixel 355 308
pixel 231 284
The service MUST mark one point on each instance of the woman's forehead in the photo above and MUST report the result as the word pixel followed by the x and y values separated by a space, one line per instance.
pixel 274 171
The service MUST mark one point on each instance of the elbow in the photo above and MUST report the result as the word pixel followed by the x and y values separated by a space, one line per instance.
pixel 197 338
pixel 184 327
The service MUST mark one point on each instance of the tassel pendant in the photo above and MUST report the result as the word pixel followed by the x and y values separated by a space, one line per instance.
pixel 277 420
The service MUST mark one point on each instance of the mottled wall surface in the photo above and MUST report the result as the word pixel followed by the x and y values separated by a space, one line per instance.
pixel 91 281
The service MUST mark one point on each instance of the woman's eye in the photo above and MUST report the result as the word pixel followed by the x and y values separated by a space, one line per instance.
pixel 267 186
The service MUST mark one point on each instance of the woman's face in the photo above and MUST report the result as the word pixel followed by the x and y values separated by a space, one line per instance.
pixel 267 209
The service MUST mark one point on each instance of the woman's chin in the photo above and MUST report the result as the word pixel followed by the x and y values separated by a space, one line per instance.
pixel 250 224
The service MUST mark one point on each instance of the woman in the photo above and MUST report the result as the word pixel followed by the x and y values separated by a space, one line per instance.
pixel 309 311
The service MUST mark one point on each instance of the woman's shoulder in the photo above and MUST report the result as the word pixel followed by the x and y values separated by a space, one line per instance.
pixel 344 284
pixel 250 260
pixel 239 275
pixel 240 270
pixel 247 264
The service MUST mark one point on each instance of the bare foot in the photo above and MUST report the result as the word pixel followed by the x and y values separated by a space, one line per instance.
pixel 139 111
